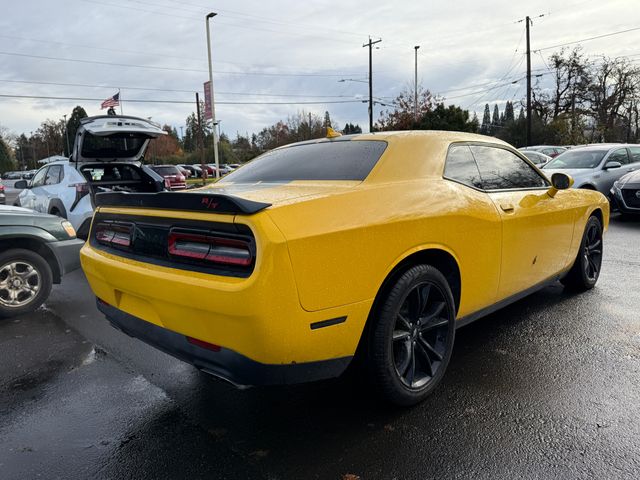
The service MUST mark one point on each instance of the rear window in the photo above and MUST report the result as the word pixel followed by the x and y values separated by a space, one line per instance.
pixel 121 145
pixel 166 170
pixel 337 160
pixel 111 173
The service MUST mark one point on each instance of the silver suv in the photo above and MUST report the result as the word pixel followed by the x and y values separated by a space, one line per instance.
pixel 596 167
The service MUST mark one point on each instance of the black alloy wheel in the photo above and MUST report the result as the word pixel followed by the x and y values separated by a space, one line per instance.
pixel 586 268
pixel 413 335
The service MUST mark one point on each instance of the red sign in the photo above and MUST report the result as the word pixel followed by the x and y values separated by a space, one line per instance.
pixel 207 101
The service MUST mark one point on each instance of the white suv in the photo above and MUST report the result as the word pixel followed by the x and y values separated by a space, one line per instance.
pixel 106 157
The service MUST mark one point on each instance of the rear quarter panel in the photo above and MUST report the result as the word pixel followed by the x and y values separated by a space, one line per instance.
pixel 342 247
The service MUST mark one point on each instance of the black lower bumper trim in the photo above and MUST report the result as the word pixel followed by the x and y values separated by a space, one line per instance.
pixel 226 363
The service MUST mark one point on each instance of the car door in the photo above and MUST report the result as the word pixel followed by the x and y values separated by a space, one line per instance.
pixel 634 159
pixel 605 178
pixel 32 195
pixel 51 187
pixel 483 226
pixel 537 229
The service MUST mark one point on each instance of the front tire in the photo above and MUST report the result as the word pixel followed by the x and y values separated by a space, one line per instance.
pixel 25 281
pixel 586 268
pixel 412 336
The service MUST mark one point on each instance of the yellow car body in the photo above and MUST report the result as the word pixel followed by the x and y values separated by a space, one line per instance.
pixel 323 251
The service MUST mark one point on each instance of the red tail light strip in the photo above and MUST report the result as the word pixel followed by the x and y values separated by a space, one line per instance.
pixel 225 251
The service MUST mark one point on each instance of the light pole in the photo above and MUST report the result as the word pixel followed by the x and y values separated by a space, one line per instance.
pixel 213 104
pixel 415 100
pixel 66 135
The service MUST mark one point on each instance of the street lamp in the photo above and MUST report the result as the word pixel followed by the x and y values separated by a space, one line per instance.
pixel 213 105
pixel 352 80
pixel 415 100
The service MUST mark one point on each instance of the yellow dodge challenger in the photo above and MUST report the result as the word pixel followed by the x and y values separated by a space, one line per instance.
pixel 377 245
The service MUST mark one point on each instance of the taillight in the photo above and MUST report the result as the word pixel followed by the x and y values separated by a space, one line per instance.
pixel 209 248
pixel 114 235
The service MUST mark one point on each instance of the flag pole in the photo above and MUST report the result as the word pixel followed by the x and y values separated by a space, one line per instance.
pixel 120 101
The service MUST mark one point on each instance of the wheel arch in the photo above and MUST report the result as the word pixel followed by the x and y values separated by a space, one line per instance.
pixel 56 204
pixel 37 246
pixel 435 255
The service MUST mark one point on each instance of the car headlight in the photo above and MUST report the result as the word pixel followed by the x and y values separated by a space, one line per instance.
pixel 68 228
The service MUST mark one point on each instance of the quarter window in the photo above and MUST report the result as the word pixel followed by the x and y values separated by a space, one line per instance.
pixel 501 169
pixel 461 166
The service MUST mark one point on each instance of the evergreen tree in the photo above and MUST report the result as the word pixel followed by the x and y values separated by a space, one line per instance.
pixel 486 120
pixel 73 124
pixel 508 113
pixel 327 120
pixel 6 163
pixel 521 115
pixel 495 120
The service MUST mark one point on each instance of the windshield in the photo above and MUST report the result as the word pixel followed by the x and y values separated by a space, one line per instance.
pixel 121 145
pixel 577 159
pixel 336 160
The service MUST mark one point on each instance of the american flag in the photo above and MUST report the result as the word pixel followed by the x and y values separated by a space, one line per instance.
pixel 111 102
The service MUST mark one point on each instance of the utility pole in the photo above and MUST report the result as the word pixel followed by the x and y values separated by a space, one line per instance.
pixel 201 140
pixel 415 100
pixel 370 44
pixel 528 20
pixel 66 134
pixel 213 104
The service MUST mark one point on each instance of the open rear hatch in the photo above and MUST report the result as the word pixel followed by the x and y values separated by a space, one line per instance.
pixel 108 151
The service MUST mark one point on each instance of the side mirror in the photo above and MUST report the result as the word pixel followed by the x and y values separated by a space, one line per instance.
pixel 21 184
pixel 612 164
pixel 559 181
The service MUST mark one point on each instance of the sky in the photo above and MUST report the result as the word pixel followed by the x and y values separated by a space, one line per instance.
pixel 284 51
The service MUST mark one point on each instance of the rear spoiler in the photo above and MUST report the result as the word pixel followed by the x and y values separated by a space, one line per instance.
pixel 181 201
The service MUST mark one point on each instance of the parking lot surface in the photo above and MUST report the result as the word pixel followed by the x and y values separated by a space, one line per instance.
pixel 545 388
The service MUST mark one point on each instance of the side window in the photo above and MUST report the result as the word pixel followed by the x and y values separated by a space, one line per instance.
pixel 619 155
pixel 502 169
pixel 461 167
pixel 634 153
pixel 54 175
pixel 38 178
pixel 549 151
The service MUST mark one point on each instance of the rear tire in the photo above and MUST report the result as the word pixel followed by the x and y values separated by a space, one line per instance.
pixel 411 337
pixel 586 268
pixel 25 281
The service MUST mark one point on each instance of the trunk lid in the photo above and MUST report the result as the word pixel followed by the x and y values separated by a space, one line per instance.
pixel 112 138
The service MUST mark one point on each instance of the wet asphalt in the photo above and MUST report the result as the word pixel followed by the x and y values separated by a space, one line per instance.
pixel 546 388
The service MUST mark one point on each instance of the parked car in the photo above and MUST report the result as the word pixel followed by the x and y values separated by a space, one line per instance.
pixel 185 172
pixel 174 178
pixel 625 194
pixel 538 158
pixel 596 167
pixel 387 241
pixel 36 250
pixel 192 171
pixel 3 197
pixel 12 175
pixel 106 157
pixel 197 170
pixel 550 150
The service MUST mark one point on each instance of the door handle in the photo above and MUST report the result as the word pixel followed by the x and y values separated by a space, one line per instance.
pixel 507 207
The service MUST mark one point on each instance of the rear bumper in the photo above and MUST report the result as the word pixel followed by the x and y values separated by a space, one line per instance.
pixel 224 363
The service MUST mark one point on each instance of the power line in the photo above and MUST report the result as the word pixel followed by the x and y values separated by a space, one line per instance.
pixel 587 39
pixel 46 97
pixel 152 89
pixel 178 69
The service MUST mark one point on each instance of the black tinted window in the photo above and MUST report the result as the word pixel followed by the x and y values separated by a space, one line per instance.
pixel 337 160
pixel 461 166
pixel 120 145
pixel 500 168
pixel 54 175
